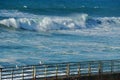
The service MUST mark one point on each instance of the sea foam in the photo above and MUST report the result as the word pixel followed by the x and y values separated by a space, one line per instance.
pixel 45 23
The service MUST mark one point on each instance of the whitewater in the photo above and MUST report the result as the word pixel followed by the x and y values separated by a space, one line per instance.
pixel 58 33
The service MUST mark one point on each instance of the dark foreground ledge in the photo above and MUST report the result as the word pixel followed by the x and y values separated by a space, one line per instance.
pixel 115 76
pixel 87 70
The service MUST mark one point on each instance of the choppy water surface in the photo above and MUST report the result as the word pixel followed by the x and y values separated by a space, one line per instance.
pixel 58 31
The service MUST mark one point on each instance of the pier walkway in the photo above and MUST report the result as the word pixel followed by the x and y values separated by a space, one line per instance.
pixel 87 70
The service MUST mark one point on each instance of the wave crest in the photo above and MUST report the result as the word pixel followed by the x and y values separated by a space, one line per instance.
pixel 74 22
pixel 46 23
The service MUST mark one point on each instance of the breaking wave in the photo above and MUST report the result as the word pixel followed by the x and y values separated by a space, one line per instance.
pixel 45 23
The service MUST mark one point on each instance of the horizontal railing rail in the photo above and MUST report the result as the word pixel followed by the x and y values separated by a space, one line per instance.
pixel 60 70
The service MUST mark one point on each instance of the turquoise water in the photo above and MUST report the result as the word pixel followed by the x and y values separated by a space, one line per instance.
pixel 56 31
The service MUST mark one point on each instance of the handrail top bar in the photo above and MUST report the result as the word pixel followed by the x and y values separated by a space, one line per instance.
pixel 80 62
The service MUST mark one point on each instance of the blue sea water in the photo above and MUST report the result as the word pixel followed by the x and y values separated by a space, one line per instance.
pixel 54 31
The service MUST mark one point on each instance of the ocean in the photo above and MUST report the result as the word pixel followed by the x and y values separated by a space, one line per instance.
pixel 55 31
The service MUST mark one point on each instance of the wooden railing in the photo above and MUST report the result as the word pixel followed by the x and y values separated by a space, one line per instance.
pixel 60 70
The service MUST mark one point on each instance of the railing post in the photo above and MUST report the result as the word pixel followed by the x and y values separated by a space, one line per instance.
pixel 112 63
pixel 79 67
pixel 0 73
pixel 68 70
pixel 100 68
pixel 45 72
pixel 34 73
pixel 89 69
pixel 12 73
pixel 56 71
pixel 22 73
